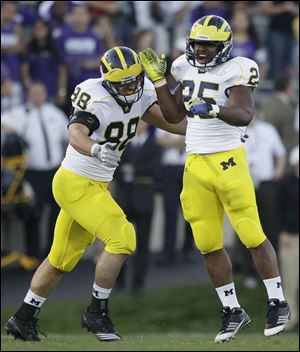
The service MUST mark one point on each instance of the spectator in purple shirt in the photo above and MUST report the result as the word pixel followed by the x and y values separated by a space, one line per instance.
pixel 26 13
pixel 10 97
pixel 43 63
pixel 206 8
pixel 55 13
pixel 106 31
pixel 80 48
pixel 244 39
pixel 12 45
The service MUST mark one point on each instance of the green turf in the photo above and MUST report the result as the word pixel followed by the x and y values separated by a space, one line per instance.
pixel 156 342
pixel 190 314
pixel 188 309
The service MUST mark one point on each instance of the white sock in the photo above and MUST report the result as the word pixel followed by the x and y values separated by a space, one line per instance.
pixel 227 295
pixel 274 288
pixel 34 300
pixel 100 292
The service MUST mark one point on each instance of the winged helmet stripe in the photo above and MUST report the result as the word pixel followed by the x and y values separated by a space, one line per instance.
pixel 207 20
pixel 121 57
pixel 106 64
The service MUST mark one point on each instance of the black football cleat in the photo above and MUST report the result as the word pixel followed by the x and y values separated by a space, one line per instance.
pixel 100 325
pixel 233 321
pixel 278 314
pixel 22 329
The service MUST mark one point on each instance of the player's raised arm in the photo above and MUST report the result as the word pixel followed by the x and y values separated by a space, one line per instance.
pixel 155 67
pixel 155 117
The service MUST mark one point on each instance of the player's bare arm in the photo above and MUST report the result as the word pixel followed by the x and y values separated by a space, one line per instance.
pixel 172 109
pixel 239 112
pixel 79 138
pixel 155 117
pixel 241 107
pixel 82 125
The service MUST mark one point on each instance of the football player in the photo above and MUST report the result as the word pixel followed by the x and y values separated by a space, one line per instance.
pixel 105 118
pixel 217 93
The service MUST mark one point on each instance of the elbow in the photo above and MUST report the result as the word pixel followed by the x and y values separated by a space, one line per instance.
pixel 73 140
pixel 244 123
pixel 75 134
pixel 174 119
pixel 247 117
pixel 172 114
pixel 74 143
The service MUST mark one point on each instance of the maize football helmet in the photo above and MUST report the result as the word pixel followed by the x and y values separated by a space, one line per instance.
pixel 213 30
pixel 123 74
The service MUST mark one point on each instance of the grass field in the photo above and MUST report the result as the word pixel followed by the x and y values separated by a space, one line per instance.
pixel 155 342
pixel 173 319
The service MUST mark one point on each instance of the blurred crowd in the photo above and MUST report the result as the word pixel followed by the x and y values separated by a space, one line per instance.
pixel 47 47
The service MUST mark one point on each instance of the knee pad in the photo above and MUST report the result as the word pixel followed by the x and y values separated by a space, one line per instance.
pixel 206 239
pixel 64 266
pixel 250 232
pixel 123 238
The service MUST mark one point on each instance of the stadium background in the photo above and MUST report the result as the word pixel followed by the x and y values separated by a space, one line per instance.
pixel 271 40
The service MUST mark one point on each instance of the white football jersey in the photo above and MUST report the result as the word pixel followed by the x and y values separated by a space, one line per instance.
pixel 116 126
pixel 204 136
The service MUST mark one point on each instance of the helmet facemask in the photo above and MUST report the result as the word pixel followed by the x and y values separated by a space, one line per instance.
pixel 127 97
pixel 212 61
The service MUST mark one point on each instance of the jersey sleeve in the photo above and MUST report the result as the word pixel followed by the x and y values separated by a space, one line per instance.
pixel 178 68
pixel 85 98
pixel 149 96
pixel 82 97
pixel 243 72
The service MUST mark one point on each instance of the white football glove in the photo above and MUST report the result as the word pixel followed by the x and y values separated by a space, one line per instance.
pixel 106 154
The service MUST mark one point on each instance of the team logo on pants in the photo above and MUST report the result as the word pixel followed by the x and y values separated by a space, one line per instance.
pixel 228 163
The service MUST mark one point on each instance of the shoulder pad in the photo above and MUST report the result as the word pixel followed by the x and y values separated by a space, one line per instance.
pixel 244 71
pixel 179 67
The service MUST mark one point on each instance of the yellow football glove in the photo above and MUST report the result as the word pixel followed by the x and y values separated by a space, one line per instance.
pixel 154 66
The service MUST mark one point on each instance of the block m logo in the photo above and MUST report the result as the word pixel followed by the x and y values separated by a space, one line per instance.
pixel 96 293
pixel 34 302
pixel 228 292
pixel 228 163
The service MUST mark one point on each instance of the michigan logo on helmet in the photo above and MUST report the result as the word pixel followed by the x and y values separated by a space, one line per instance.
pixel 123 74
pixel 213 30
